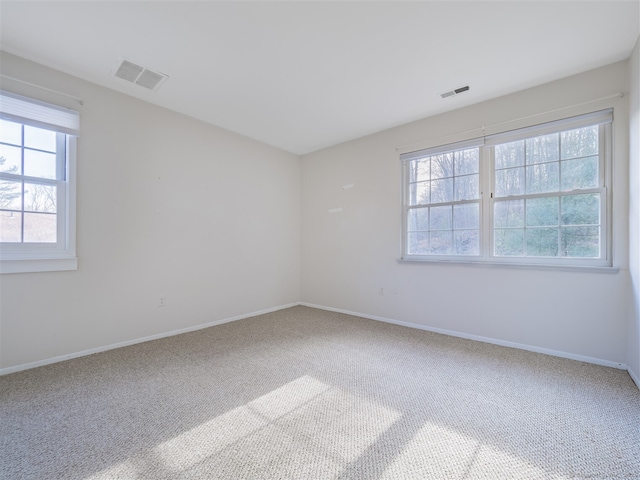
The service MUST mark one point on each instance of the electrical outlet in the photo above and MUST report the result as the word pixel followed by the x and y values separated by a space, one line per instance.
pixel 163 301
pixel 381 292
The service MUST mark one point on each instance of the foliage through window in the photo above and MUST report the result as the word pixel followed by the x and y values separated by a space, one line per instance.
pixel 32 163
pixel 443 214
pixel 36 194
pixel 545 202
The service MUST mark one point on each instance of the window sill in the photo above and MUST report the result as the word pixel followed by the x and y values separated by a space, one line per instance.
pixel 524 266
pixel 33 265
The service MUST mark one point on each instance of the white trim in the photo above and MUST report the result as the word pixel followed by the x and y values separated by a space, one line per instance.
pixel 589 106
pixel 502 343
pixel 600 117
pixel 476 262
pixel 126 343
pixel 26 265
pixel 520 346
pixel 449 147
pixel 59 256
pixel 634 377
pixel 487 197
pixel 40 87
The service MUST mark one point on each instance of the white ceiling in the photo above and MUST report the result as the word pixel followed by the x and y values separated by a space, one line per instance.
pixel 306 75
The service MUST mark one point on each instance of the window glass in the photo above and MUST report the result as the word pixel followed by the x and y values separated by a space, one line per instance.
pixel 40 139
pixel 37 185
pixel 442 185
pixel 541 198
pixel 547 226
pixel 10 159
pixel 29 187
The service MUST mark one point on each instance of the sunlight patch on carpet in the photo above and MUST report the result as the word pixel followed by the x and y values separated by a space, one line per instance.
pixel 306 421
pixel 437 451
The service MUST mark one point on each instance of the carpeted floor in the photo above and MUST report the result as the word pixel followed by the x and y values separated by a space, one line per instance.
pixel 308 394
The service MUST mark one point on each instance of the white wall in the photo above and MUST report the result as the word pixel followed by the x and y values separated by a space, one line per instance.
pixel 167 205
pixel 633 335
pixel 348 256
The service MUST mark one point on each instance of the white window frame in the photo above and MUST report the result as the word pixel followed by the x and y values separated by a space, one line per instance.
pixel 486 145
pixel 61 255
pixel 431 152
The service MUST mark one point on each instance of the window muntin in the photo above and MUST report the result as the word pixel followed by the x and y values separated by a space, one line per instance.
pixel 37 185
pixel 554 226
pixel 548 193
pixel 443 204
pixel 32 177
pixel 543 198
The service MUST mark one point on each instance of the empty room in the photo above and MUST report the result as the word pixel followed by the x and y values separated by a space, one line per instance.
pixel 319 240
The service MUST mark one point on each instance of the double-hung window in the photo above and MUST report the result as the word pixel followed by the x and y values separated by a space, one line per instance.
pixel 442 205
pixel 37 189
pixel 538 195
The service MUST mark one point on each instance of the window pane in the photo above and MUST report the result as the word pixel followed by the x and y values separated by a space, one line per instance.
pixel 580 209
pixel 544 192
pixel 466 216
pixel 10 226
pixel 442 190
pixel 542 178
pixel 466 161
pixel 39 138
pixel 466 242
pixel 581 242
pixel 418 243
pixel 509 154
pixel 508 242
pixel 580 173
pixel 419 170
pixel 33 171
pixel 543 149
pixel 542 242
pixel 441 218
pixel 39 164
pixel 10 132
pixel 442 165
pixel 10 159
pixel 419 193
pixel 509 213
pixel 582 142
pixel 542 211
pixel 509 182
pixel 418 219
pixel 40 228
pixel 466 187
pixel 441 243
pixel 40 198
pixel 10 195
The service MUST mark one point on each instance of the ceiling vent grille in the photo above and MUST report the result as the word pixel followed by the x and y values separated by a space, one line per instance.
pixel 134 73
pixel 455 91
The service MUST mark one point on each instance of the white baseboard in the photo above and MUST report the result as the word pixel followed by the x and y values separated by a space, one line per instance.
pixel 62 358
pixel 555 353
pixel 634 377
pixel 503 343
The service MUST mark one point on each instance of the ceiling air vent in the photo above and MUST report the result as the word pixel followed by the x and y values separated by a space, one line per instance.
pixel 454 92
pixel 140 75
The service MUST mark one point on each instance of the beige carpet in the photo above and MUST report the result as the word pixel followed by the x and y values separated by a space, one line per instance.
pixel 308 394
